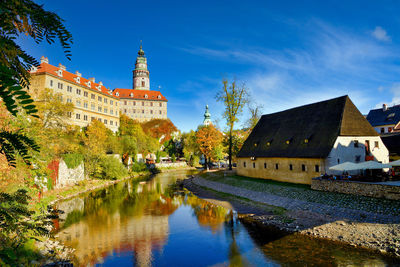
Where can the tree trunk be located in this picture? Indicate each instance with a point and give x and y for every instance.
(230, 149)
(206, 162)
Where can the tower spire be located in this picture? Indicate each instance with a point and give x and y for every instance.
(207, 117)
(141, 52)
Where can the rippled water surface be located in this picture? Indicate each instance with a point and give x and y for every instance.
(153, 224)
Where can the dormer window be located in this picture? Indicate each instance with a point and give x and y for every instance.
(131, 94)
(60, 73)
(77, 79)
(390, 116)
(88, 84)
(269, 142)
(146, 96)
(117, 94)
(306, 141)
(288, 141)
(159, 97)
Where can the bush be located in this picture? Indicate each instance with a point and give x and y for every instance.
(138, 167)
(72, 160)
(194, 161)
(173, 158)
(110, 168)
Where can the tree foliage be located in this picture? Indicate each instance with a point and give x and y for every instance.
(208, 138)
(255, 115)
(162, 129)
(234, 98)
(28, 18)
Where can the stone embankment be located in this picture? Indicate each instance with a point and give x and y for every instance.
(378, 231)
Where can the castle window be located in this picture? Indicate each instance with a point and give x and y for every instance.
(254, 165)
(142, 111)
(111, 111)
(125, 111)
(291, 167)
(117, 94)
(125, 102)
(105, 100)
(244, 164)
(69, 114)
(142, 103)
(93, 107)
(85, 117)
(99, 98)
(51, 83)
(265, 165)
(143, 83)
(111, 122)
(85, 105)
(160, 104)
(134, 103)
(105, 121)
(151, 104)
(78, 116)
(151, 112)
(92, 96)
(78, 91)
(85, 94)
(131, 94)
(105, 110)
(276, 166)
(303, 167)
(111, 102)
(99, 119)
(145, 96)
(159, 96)
(99, 109)
(160, 112)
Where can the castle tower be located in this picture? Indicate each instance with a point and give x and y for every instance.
(141, 80)
(207, 117)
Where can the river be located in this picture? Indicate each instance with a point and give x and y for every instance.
(152, 223)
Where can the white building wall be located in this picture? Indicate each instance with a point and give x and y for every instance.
(345, 149)
(385, 127)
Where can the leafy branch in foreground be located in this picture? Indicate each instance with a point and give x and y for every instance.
(12, 143)
(28, 18)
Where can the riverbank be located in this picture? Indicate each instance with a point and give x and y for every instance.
(361, 221)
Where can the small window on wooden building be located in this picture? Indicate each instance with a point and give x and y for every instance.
(276, 166)
(254, 165)
(265, 165)
(291, 167)
(317, 168)
(244, 164)
(303, 167)
(355, 143)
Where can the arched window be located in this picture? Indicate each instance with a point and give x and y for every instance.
(143, 84)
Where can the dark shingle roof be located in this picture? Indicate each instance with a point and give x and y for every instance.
(378, 117)
(306, 132)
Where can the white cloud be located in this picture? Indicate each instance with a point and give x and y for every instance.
(381, 34)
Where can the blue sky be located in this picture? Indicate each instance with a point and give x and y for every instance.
(286, 52)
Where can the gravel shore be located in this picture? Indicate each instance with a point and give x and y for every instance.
(357, 227)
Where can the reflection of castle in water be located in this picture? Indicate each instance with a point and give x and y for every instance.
(94, 242)
(140, 223)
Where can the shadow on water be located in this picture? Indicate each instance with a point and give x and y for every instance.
(155, 223)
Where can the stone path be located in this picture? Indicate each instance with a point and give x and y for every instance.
(332, 212)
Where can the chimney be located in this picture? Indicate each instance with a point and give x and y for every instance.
(384, 107)
(62, 67)
(92, 80)
(44, 59)
(100, 83)
(77, 73)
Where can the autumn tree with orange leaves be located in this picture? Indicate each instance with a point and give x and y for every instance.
(208, 138)
(159, 128)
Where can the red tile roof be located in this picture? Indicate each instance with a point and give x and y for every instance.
(71, 77)
(139, 94)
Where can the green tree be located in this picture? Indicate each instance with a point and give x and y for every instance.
(255, 115)
(234, 98)
(190, 146)
(28, 18)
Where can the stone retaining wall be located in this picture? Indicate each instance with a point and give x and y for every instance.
(67, 176)
(357, 188)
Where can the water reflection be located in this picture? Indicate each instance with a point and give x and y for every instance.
(154, 223)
